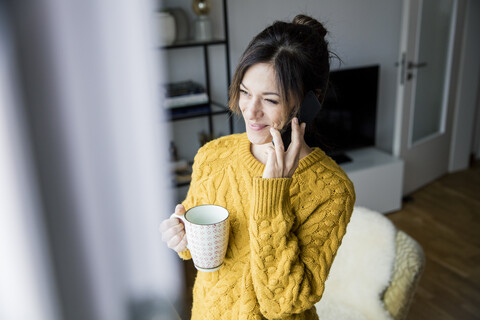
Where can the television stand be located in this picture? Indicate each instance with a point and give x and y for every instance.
(340, 157)
(377, 177)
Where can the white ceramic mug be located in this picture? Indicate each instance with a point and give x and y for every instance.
(207, 228)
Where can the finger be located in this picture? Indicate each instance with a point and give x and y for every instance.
(175, 240)
(276, 138)
(301, 135)
(279, 147)
(180, 209)
(292, 156)
(171, 232)
(297, 136)
(297, 133)
(168, 223)
(182, 245)
(270, 164)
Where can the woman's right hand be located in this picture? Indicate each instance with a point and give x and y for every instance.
(173, 231)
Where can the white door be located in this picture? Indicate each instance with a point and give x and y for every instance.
(424, 112)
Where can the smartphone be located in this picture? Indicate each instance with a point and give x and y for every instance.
(308, 111)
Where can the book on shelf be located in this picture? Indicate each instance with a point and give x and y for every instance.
(184, 101)
(186, 112)
(183, 94)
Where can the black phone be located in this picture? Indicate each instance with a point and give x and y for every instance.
(308, 111)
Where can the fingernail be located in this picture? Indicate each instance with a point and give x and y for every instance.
(295, 120)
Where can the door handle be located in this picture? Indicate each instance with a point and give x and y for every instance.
(412, 65)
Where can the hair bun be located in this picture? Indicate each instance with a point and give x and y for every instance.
(305, 20)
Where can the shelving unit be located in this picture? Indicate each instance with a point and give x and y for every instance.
(211, 108)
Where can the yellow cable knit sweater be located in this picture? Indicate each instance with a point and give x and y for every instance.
(284, 232)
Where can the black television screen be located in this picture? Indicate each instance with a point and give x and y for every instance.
(348, 115)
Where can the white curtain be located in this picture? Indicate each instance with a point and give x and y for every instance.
(94, 148)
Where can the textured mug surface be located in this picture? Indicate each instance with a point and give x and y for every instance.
(207, 228)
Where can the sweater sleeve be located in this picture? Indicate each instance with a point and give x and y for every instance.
(289, 268)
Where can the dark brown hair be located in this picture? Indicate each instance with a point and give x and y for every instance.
(299, 54)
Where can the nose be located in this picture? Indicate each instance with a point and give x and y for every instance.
(252, 109)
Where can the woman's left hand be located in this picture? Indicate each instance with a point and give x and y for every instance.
(281, 163)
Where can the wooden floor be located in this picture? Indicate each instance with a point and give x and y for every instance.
(444, 217)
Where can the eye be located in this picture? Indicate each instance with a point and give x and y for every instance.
(272, 101)
(243, 92)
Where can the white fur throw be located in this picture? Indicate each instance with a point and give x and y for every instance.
(361, 270)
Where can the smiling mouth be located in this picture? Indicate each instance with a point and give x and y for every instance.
(257, 127)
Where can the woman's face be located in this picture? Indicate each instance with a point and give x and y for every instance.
(260, 103)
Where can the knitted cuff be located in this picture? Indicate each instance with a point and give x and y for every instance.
(271, 196)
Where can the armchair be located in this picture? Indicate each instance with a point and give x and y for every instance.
(375, 272)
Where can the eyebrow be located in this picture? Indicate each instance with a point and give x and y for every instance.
(264, 93)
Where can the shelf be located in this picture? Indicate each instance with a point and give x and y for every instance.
(181, 184)
(196, 111)
(194, 43)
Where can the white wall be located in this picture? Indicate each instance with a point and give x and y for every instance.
(468, 92)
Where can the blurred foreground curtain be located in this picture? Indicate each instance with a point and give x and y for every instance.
(83, 164)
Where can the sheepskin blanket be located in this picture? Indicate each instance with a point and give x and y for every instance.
(361, 270)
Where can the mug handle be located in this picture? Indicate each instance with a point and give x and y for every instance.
(181, 217)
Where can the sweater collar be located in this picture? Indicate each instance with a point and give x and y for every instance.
(257, 168)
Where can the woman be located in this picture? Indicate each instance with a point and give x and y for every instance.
(289, 208)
